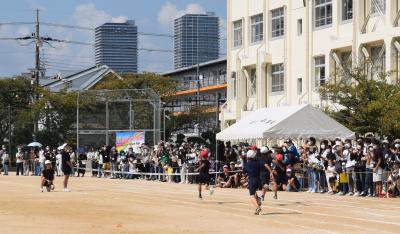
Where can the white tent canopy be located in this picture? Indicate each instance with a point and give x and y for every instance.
(286, 122)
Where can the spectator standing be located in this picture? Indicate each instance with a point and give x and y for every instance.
(59, 163)
(26, 163)
(66, 166)
(5, 160)
(82, 164)
(19, 156)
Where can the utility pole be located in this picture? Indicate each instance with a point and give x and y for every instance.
(9, 130)
(37, 53)
(37, 67)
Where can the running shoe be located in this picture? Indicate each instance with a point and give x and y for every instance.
(66, 190)
(262, 197)
(200, 197)
(275, 196)
(257, 212)
(211, 190)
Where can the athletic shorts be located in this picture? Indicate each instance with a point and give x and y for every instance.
(66, 170)
(47, 183)
(254, 185)
(265, 178)
(203, 178)
(280, 179)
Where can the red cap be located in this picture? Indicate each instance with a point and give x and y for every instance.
(279, 157)
(204, 154)
(253, 147)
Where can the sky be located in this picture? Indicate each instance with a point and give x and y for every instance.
(151, 16)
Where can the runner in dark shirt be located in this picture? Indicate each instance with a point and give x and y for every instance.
(279, 174)
(47, 177)
(266, 170)
(253, 169)
(204, 176)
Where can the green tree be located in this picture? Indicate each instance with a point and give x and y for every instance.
(364, 104)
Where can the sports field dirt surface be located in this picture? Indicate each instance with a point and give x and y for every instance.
(115, 206)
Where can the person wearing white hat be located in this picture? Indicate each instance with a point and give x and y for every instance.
(253, 168)
(266, 170)
(47, 178)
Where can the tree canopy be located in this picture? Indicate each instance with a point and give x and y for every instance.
(364, 104)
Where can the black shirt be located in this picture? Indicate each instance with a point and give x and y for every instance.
(265, 159)
(106, 157)
(206, 167)
(65, 158)
(48, 174)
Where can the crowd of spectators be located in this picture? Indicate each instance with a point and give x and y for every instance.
(365, 167)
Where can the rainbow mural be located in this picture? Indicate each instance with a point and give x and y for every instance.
(129, 139)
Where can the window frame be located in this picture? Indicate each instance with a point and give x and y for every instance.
(237, 42)
(318, 67)
(279, 19)
(323, 7)
(256, 26)
(373, 9)
(299, 27)
(279, 77)
(345, 10)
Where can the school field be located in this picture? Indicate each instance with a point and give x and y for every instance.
(116, 206)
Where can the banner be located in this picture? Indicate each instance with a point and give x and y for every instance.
(125, 140)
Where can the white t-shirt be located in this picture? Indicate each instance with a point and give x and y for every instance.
(5, 158)
(19, 157)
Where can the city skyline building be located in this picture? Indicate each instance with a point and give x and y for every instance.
(116, 45)
(196, 39)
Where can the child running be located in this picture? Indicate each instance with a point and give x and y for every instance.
(253, 169)
(47, 177)
(204, 176)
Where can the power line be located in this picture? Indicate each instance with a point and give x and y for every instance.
(93, 29)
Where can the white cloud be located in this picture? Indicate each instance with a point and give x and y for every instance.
(87, 15)
(169, 12)
(23, 31)
(119, 19)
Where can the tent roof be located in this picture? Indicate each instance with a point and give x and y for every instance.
(286, 122)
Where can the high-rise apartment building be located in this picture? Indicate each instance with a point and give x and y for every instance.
(196, 39)
(116, 45)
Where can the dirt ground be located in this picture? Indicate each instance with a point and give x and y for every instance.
(116, 206)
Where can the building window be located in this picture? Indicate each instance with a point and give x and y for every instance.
(278, 22)
(377, 61)
(253, 81)
(323, 13)
(347, 10)
(256, 28)
(319, 69)
(237, 34)
(277, 81)
(378, 6)
(299, 27)
(299, 86)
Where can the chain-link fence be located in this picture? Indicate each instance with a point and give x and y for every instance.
(101, 114)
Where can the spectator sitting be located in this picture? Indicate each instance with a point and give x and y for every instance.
(225, 180)
(394, 181)
(293, 184)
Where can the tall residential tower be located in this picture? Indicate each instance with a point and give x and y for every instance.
(196, 39)
(117, 46)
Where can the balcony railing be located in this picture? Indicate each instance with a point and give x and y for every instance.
(205, 82)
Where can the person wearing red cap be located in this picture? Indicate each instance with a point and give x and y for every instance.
(204, 177)
(278, 173)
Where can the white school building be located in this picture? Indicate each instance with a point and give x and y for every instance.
(280, 51)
